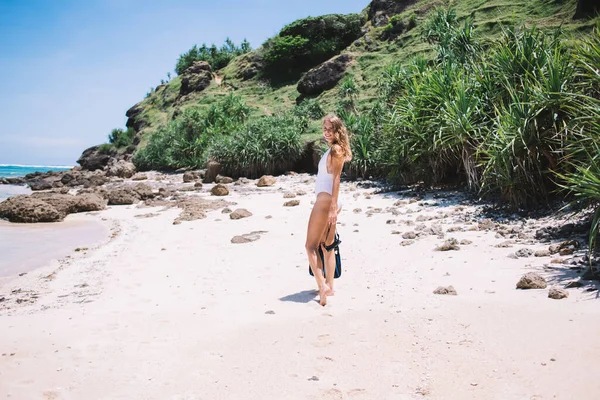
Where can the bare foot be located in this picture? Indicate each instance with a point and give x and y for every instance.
(323, 293)
(330, 292)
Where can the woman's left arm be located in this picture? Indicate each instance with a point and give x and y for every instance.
(337, 164)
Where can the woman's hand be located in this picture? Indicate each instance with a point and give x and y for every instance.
(332, 216)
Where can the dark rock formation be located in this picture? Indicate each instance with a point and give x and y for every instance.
(196, 78)
(380, 11)
(324, 76)
(134, 119)
(93, 159)
(29, 210)
(586, 8)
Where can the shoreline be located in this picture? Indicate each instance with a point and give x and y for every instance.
(28, 247)
(173, 297)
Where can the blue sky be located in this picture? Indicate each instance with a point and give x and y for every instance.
(71, 69)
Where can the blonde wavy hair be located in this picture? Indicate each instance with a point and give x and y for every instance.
(342, 137)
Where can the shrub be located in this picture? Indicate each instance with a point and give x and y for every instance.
(121, 138)
(183, 141)
(269, 145)
(308, 42)
(217, 57)
(309, 108)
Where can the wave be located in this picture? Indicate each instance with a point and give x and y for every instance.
(37, 166)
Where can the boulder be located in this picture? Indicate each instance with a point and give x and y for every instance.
(557, 293)
(240, 213)
(531, 280)
(29, 210)
(134, 119)
(324, 76)
(213, 168)
(196, 78)
(219, 190)
(68, 204)
(266, 180)
(42, 184)
(381, 10)
(93, 159)
(291, 203)
(122, 196)
(223, 179)
(120, 168)
(143, 191)
(450, 244)
(190, 176)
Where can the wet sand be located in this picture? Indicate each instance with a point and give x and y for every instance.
(25, 247)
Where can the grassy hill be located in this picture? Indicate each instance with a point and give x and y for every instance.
(372, 54)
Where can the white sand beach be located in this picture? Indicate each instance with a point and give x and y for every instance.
(164, 311)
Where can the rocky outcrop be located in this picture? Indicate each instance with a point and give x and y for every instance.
(48, 207)
(27, 209)
(134, 119)
(196, 78)
(586, 8)
(380, 11)
(324, 76)
(120, 168)
(95, 158)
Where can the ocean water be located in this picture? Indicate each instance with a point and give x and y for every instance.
(12, 171)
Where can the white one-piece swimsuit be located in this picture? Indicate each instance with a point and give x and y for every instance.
(324, 182)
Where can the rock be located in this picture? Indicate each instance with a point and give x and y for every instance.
(289, 195)
(291, 203)
(190, 176)
(450, 244)
(524, 253)
(219, 190)
(435, 229)
(68, 204)
(324, 76)
(120, 168)
(223, 179)
(381, 10)
(542, 253)
(567, 251)
(240, 213)
(486, 225)
(195, 207)
(266, 180)
(554, 249)
(42, 184)
(505, 244)
(247, 237)
(455, 229)
(226, 210)
(143, 191)
(198, 185)
(93, 180)
(213, 169)
(28, 209)
(140, 177)
(133, 118)
(465, 242)
(407, 242)
(409, 235)
(122, 196)
(532, 280)
(196, 78)
(93, 158)
(449, 290)
(557, 293)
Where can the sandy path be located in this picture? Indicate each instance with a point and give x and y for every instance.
(169, 311)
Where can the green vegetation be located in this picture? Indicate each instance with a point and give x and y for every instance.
(501, 97)
(308, 42)
(121, 138)
(269, 145)
(217, 57)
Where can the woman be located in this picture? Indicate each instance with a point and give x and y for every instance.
(327, 205)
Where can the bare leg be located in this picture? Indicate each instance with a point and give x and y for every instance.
(316, 227)
(329, 257)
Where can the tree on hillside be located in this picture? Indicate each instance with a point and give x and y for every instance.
(217, 57)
